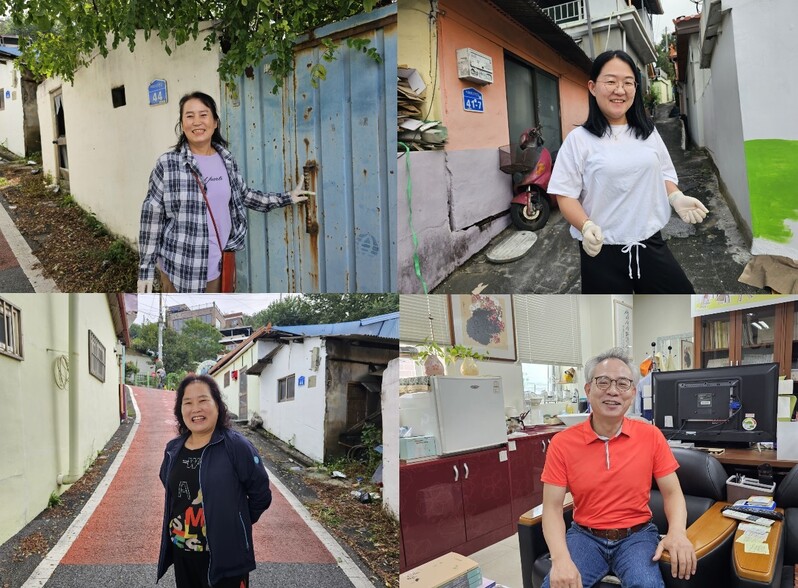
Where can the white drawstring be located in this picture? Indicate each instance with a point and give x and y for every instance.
(628, 249)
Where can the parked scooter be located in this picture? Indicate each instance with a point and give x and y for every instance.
(530, 165)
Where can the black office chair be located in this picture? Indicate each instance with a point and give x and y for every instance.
(778, 568)
(703, 482)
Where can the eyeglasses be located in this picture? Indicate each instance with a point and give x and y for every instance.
(603, 383)
(628, 85)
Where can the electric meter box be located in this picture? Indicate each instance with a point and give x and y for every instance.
(474, 66)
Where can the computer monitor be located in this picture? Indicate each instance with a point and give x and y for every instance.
(730, 406)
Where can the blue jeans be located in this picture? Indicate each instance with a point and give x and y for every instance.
(629, 558)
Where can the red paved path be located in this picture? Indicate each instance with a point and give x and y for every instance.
(7, 258)
(126, 527)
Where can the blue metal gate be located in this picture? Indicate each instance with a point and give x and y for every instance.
(341, 137)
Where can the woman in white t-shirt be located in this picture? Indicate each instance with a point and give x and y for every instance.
(614, 180)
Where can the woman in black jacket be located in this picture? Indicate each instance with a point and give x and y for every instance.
(216, 488)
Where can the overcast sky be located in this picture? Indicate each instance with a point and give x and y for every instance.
(228, 303)
(673, 9)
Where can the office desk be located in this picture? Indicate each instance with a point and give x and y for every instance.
(752, 457)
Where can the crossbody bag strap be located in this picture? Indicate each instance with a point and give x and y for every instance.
(208, 204)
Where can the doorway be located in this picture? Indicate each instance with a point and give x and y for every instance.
(60, 141)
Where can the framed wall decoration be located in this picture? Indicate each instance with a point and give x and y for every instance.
(687, 354)
(622, 323)
(485, 323)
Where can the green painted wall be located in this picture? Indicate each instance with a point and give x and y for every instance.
(772, 166)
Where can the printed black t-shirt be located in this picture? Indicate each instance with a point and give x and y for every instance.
(187, 518)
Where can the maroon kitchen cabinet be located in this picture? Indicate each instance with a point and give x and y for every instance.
(526, 466)
(459, 503)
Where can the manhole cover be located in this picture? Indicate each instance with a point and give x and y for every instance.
(513, 247)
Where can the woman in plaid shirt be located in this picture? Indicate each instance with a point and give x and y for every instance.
(177, 235)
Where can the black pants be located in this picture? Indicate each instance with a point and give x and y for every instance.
(608, 272)
(191, 571)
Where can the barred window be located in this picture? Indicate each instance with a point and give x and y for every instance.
(285, 388)
(96, 357)
(226, 379)
(10, 330)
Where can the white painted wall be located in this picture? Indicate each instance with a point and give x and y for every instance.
(698, 94)
(299, 422)
(659, 315)
(231, 392)
(112, 150)
(723, 123)
(35, 418)
(12, 135)
(390, 440)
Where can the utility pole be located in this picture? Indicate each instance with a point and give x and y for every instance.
(160, 327)
(589, 30)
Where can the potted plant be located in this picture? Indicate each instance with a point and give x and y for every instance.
(468, 367)
(433, 357)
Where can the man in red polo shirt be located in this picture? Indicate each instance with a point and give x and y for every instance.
(607, 463)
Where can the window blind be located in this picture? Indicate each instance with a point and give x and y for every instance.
(414, 322)
(547, 329)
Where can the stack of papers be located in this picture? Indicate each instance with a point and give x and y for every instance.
(754, 538)
(413, 130)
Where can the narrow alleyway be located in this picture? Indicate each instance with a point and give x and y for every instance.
(118, 546)
(713, 254)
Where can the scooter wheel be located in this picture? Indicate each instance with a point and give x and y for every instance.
(531, 220)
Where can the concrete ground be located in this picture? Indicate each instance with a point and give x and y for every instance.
(712, 254)
(118, 546)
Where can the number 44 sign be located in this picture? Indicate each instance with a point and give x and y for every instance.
(472, 100)
(157, 91)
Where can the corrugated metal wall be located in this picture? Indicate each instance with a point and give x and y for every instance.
(341, 136)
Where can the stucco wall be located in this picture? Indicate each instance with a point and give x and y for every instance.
(35, 417)
(417, 48)
(231, 394)
(390, 441)
(112, 150)
(12, 135)
(722, 103)
(440, 249)
(769, 124)
(299, 422)
(469, 23)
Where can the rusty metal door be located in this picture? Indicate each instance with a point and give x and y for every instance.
(340, 137)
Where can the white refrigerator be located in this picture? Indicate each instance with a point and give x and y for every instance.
(463, 413)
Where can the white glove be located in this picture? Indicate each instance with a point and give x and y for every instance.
(144, 287)
(689, 209)
(299, 194)
(592, 239)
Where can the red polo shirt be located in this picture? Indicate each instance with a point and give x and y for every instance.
(610, 480)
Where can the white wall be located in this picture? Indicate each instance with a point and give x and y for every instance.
(232, 392)
(34, 443)
(659, 315)
(112, 151)
(12, 135)
(390, 441)
(299, 422)
(723, 123)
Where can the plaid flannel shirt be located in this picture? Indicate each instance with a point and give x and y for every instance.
(174, 225)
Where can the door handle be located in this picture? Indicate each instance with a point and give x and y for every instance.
(456, 473)
(543, 445)
(309, 172)
(465, 465)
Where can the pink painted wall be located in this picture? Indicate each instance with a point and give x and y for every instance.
(476, 24)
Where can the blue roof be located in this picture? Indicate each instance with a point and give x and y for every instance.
(384, 326)
(13, 51)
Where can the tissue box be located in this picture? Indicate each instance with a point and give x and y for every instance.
(787, 440)
(415, 447)
(448, 571)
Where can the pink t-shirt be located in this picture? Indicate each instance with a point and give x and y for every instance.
(214, 173)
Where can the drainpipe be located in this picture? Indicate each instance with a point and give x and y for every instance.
(74, 388)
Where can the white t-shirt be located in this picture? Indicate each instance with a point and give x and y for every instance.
(619, 180)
